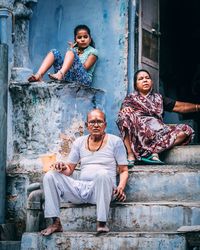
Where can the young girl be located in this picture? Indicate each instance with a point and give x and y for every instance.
(79, 61)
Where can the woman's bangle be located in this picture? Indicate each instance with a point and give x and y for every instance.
(197, 107)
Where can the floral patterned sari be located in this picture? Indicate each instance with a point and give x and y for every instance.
(144, 125)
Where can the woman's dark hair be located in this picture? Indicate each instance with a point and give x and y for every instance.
(83, 27)
(136, 75)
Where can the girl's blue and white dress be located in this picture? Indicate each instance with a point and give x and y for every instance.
(77, 73)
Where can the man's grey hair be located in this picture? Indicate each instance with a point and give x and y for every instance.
(97, 109)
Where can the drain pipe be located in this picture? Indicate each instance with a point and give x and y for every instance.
(3, 108)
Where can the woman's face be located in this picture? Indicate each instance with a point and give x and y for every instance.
(83, 39)
(144, 83)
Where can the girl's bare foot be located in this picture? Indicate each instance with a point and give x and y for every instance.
(55, 227)
(57, 76)
(35, 78)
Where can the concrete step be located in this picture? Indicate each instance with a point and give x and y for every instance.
(134, 217)
(167, 182)
(110, 241)
(189, 155)
(10, 245)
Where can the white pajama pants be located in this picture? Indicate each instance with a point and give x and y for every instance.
(58, 187)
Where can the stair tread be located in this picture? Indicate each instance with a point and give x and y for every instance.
(165, 168)
(112, 234)
(161, 203)
(112, 240)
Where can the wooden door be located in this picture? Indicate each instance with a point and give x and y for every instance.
(148, 51)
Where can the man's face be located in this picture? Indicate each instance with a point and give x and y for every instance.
(96, 124)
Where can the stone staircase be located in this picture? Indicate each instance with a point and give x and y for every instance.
(160, 199)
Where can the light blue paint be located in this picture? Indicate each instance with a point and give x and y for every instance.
(52, 26)
(3, 25)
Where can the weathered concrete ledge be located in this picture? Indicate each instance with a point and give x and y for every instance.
(111, 241)
(10, 245)
(182, 155)
(133, 216)
(167, 182)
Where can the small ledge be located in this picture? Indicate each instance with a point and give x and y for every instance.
(54, 85)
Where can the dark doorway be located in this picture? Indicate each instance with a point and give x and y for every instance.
(180, 52)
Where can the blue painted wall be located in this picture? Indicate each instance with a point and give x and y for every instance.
(52, 26)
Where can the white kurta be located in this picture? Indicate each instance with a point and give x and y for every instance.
(97, 179)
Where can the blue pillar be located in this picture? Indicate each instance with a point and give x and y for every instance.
(3, 125)
(4, 13)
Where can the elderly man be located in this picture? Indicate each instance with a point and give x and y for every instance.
(100, 154)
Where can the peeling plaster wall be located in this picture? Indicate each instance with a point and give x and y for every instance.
(52, 26)
(43, 115)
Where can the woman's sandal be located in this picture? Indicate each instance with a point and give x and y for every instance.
(52, 77)
(152, 159)
(130, 159)
(35, 78)
(131, 163)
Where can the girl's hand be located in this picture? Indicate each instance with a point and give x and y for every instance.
(127, 110)
(119, 194)
(71, 44)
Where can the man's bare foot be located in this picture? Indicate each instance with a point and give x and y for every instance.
(55, 227)
(35, 78)
(102, 228)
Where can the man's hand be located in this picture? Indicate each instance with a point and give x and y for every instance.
(62, 168)
(123, 177)
(119, 194)
(59, 166)
(186, 107)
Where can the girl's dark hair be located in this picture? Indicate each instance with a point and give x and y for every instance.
(83, 27)
(136, 75)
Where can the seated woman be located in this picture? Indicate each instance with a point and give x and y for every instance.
(141, 124)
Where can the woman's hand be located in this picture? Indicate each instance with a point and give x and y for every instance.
(127, 110)
(119, 194)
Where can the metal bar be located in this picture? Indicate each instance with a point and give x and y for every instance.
(131, 41)
(3, 125)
